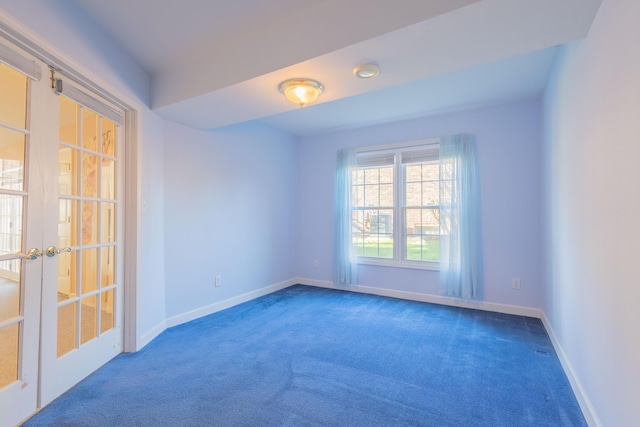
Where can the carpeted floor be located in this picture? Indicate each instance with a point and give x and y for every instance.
(307, 356)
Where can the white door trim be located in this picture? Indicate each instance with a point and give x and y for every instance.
(131, 341)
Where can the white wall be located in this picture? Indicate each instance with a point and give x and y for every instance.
(592, 200)
(60, 26)
(229, 211)
(151, 280)
(509, 152)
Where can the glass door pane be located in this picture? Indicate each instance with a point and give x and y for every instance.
(86, 225)
(13, 137)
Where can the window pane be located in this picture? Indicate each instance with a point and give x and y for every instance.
(67, 277)
(430, 193)
(107, 274)
(378, 233)
(88, 319)
(372, 195)
(108, 229)
(386, 195)
(108, 138)
(67, 223)
(358, 230)
(89, 130)
(13, 98)
(89, 270)
(422, 221)
(357, 195)
(382, 222)
(107, 171)
(67, 171)
(106, 311)
(413, 172)
(430, 171)
(10, 224)
(422, 230)
(89, 175)
(372, 176)
(413, 221)
(386, 175)
(10, 339)
(107, 179)
(430, 248)
(422, 248)
(9, 290)
(89, 223)
(430, 221)
(413, 196)
(67, 322)
(68, 121)
(359, 176)
(12, 145)
(372, 228)
(414, 248)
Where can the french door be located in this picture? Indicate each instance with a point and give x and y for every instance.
(60, 235)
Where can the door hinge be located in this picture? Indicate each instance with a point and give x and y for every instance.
(53, 77)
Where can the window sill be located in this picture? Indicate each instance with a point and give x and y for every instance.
(414, 265)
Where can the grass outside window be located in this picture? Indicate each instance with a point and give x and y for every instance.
(419, 248)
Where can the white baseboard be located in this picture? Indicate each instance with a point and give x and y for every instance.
(435, 299)
(583, 400)
(221, 305)
(150, 335)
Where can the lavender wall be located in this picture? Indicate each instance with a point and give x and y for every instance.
(509, 151)
(592, 207)
(229, 211)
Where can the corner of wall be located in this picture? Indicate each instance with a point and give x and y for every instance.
(583, 399)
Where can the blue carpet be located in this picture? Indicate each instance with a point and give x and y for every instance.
(308, 356)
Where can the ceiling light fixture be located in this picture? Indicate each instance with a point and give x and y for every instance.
(301, 91)
(366, 71)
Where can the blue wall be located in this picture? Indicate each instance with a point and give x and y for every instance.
(229, 211)
(509, 149)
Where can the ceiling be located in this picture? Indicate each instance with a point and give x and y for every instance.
(216, 63)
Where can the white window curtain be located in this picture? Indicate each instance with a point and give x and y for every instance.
(345, 264)
(460, 232)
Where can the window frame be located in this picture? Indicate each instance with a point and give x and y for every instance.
(399, 205)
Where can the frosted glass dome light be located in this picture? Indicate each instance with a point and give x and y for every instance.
(301, 91)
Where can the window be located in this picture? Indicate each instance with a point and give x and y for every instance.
(412, 205)
(395, 206)
(372, 206)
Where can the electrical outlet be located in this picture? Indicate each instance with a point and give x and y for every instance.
(515, 283)
(315, 263)
(218, 281)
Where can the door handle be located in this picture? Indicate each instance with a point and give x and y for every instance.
(53, 251)
(33, 253)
